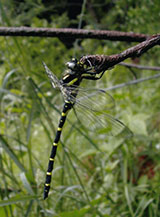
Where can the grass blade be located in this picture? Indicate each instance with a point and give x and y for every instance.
(11, 154)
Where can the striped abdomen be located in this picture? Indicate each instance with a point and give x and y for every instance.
(66, 108)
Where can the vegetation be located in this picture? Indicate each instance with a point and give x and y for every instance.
(93, 176)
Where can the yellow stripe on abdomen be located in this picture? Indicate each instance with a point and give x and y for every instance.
(55, 144)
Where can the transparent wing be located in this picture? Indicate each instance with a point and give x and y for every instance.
(100, 122)
(93, 99)
(92, 107)
(53, 79)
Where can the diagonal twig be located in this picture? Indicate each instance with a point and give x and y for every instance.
(132, 82)
(103, 62)
(130, 65)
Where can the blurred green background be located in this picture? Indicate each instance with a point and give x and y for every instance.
(93, 176)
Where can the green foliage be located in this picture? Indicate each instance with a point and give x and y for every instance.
(93, 175)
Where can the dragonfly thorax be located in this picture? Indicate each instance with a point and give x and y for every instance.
(73, 74)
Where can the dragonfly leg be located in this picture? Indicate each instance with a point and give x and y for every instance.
(93, 77)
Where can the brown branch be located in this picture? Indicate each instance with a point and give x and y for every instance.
(140, 80)
(102, 62)
(131, 65)
(73, 33)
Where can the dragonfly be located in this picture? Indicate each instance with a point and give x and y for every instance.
(88, 102)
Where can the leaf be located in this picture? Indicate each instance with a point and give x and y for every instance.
(84, 210)
(138, 125)
(26, 183)
(144, 202)
(2, 91)
(17, 199)
(127, 195)
(75, 213)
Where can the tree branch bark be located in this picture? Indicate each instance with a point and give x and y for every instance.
(73, 33)
(103, 62)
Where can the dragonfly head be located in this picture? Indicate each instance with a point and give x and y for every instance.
(74, 66)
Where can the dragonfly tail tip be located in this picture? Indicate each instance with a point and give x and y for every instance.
(45, 195)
